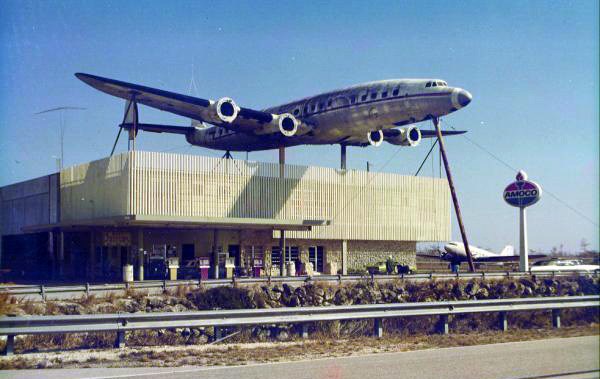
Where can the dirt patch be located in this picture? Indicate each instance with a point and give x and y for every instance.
(248, 353)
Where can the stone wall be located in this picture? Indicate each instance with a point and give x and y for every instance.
(364, 253)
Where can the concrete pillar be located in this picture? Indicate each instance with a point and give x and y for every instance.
(51, 256)
(140, 252)
(344, 257)
(61, 253)
(282, 252)
(92, 256)
(215, 254)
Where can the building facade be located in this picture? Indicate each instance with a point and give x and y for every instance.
(138, 207)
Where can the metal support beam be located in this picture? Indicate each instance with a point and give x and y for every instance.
(556, 318)
(443, 325)
(215, 254)
(378, 327)
(9, 349)
(503, 320)
(343, 156)
(436, 123)
(120, 341)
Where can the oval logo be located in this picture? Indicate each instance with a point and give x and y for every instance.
(522, 193)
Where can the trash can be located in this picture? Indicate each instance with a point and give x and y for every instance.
(204, 267)
(128, 273)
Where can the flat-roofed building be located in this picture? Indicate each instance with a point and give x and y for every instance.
(138, 207)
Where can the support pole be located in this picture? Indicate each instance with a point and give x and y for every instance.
(215, 254)
(282, 232)
(9, 349)
(436, 123)
(378, 327)
(304, 330)
(120, 341)
(503, 321)
(524, 248)
(556, 318)
(443, 327)
(343, 156)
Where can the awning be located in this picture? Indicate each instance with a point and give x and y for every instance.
(160, 221)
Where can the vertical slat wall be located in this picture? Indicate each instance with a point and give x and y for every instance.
(95, 189)
(361, 205)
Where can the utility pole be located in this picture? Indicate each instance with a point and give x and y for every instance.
(436, 123)
(62, 127)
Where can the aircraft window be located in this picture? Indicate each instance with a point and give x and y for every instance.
(396, 91)
(445, 84)
(314, 107)
(329, 102)
(433, 84)
(321, 106)
(384, 94)
(296, 112)
(352, 99)
(428, 84)
(363, 97)
(374, 95)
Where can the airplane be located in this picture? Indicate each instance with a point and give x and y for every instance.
(455, 252)
(361, 115)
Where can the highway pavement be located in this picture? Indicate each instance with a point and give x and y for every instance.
(565, 358)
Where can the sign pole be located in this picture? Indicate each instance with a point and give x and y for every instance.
(436, 123)
(524, 257)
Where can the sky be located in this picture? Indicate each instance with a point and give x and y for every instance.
(532, 68)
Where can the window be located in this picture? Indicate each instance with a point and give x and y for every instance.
(428, 84)
(296, 112)
(433, 84)
(321, 106)
(314, 107)
(384, 94)
(396, 90)
(373, 95)
(275, 256)
(306, 109)
(329, 103)
(352, 99)
(363, 97)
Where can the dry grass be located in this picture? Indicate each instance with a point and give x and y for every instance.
(239, 354)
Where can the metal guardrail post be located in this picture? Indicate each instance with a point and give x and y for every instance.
(304, 330)
(556, 318)
(120, 341)
(443, 325)
(43, 292)
(87, 289)
(503, 321)
(9, 349)
(378, 327)
(164, 286)
(218, 333)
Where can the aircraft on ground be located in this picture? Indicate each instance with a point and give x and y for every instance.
(361, 115)
(455, 252)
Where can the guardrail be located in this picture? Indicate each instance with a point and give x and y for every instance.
(45, 292)
(124, 322)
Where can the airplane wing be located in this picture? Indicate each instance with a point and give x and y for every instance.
(247, 120)
(433, 134)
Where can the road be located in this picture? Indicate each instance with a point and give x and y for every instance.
(563, 358)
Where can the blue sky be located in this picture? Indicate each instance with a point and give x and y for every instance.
(532, 68)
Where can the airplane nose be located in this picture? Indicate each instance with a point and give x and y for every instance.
(464, 98)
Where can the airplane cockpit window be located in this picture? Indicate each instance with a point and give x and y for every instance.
(428, 84)
(373, 95)
(321, 106)
(363, 97)
(306, 109)
(352, 99)
(314, 107)
(329, 103)
(433, 84)
(396, 91)
(296, 112)
(384, 94)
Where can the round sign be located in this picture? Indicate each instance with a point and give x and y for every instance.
(523, 192)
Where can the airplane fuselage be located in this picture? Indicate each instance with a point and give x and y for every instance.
(338, 117)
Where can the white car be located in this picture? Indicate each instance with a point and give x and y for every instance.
(563, 265)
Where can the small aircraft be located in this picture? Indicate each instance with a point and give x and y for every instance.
(562, 264)
(455, 252)
(361, 115)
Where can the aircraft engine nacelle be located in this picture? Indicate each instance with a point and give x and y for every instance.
(225, 110)
(288, 124)
(375, 138)
(407, 136)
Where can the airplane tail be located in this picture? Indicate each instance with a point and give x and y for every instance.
(508, 251)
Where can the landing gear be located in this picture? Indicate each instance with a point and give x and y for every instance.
(436, 123)
(343, 156)
(227, 155)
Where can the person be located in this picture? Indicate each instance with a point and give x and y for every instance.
(454, 267)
